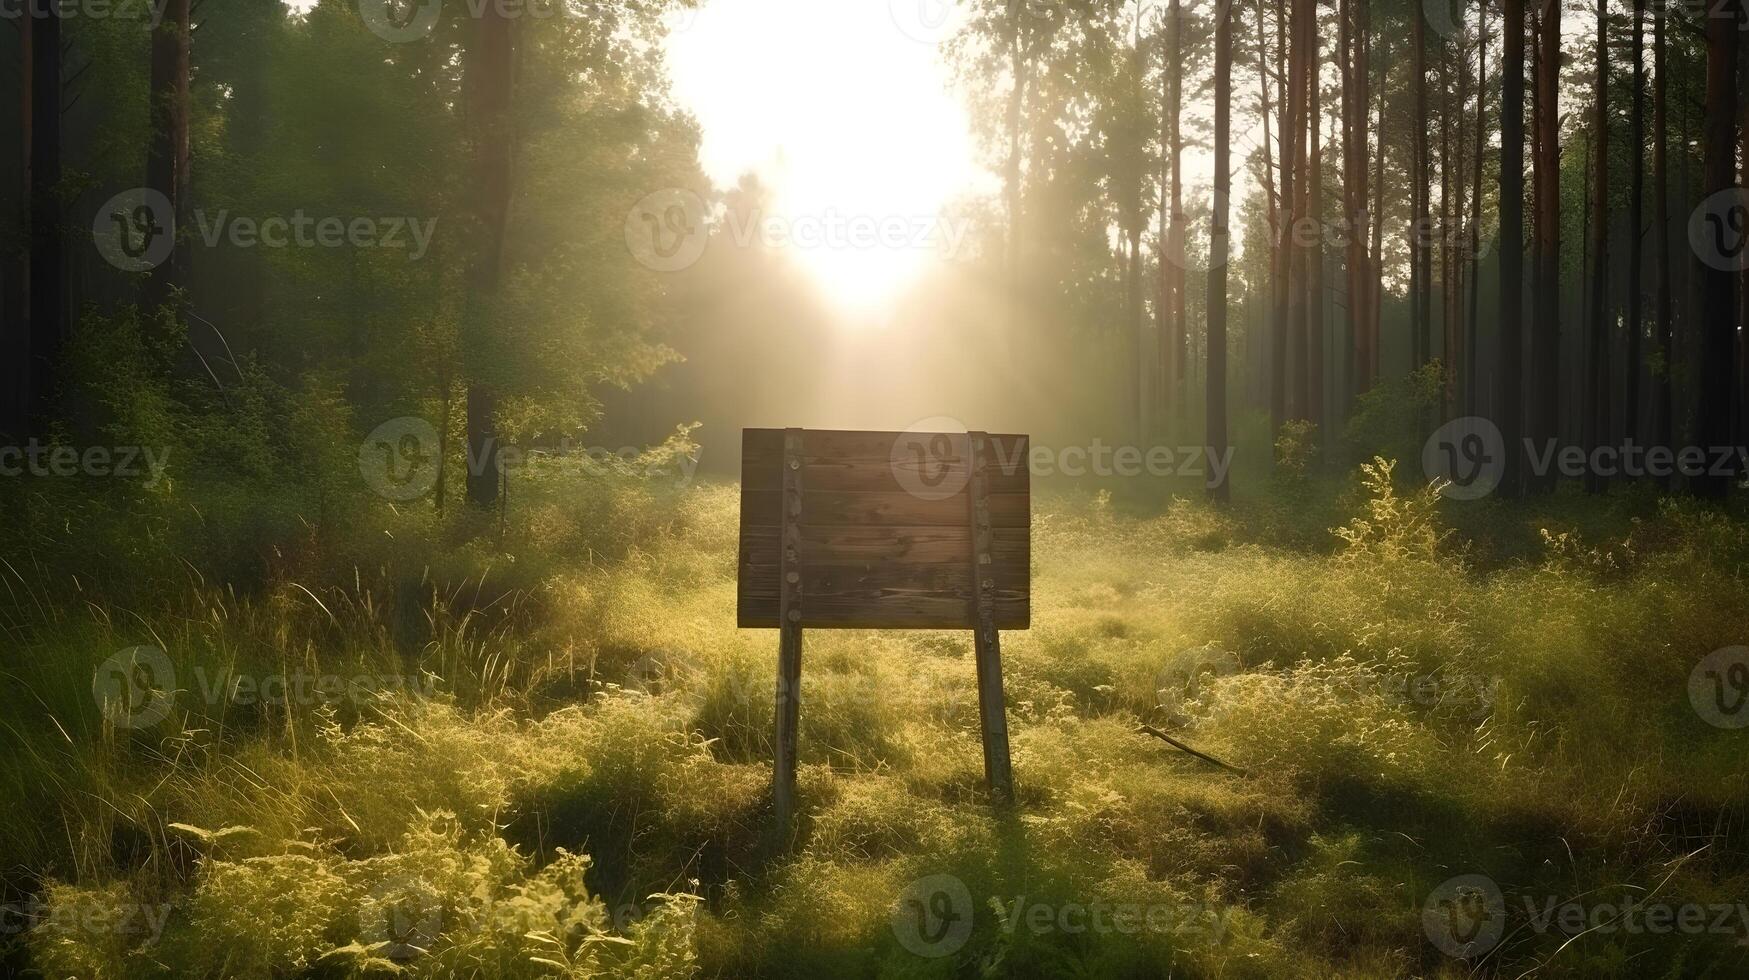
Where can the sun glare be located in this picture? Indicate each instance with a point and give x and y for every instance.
(844, 110)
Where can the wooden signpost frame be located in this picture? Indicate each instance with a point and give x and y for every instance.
(885, 530)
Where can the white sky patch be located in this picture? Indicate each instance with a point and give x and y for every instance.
(845, 116)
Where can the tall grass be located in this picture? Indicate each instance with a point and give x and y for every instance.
(561, 765)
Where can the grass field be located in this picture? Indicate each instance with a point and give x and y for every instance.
(1461, 736)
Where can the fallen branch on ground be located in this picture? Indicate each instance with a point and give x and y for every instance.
(1169, 740)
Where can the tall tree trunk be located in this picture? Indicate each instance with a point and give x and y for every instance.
(1597, 376)
(1743, 280)
(1355, 106)
(1315, 252)
(1017, 64)
(1636, 229)
(1509, 406)
(1179, 380)
(1662, 307)
(489, 88)
(1420, 254)
(1475, 312)
(1163, 275)
(167, 146)
(1216, 389)
(1545, 336)
(1456, 239)
(1299, 253)
(1375, 261)
(1448, 345)
(47, 272)
(1295, 94)
(1718, 315)
(15, 318)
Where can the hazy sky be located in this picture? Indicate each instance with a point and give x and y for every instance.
(844, 108)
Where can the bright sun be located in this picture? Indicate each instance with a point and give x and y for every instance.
(844, 109)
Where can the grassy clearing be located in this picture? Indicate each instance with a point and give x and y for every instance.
(545, 751)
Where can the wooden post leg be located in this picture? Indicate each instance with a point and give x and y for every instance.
(789, 702)
(789, 645)
(993, 715)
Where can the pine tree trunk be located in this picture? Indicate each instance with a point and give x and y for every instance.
(167, 146)
(1418, 284)
(1355, 106)
(488, 91)
(1597, 361)
(47, 278)
(1216, 389)
(1470, 328)
(1717, 322)
(1375, 262)
(15, 318)
(1178, 381)
(1288, 48)
(1545, 338)
(1011, 182)
(1509, 404)
(1662, 307)
(1315, 253)
(1636, 222)
(1448, 348)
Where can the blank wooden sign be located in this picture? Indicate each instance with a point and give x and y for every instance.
(885, 529)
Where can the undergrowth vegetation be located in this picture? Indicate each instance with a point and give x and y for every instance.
(457, 747)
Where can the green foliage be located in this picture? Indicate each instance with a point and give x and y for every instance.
(1391, 420)
(1296, 448)
(1394, 528)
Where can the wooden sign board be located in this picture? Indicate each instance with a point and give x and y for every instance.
(885, 530)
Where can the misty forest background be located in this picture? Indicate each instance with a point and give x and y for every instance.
(1496, 202)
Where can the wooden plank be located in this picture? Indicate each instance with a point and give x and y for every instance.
(881, 509)
(893, 462)
(886, 610)
(936, 596)
(1010, 546)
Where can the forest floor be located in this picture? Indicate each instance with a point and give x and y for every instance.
(1463, 737)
